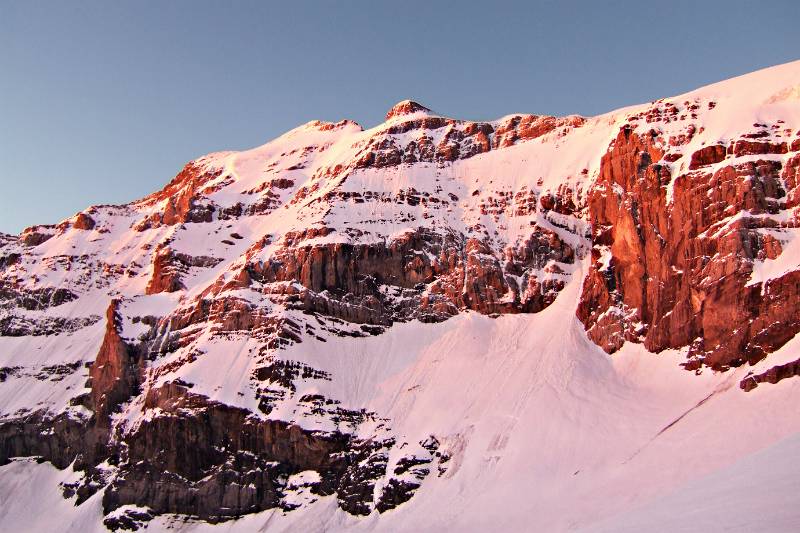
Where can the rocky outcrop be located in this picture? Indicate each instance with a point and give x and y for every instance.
(36, 235)
(83, 221)
(675, 272)
(7, 260)
(116, 373)
(214, 461)
(57, 439)
(708, 155)
(15, 300)
(188, 454)
(526, 127)
(35, 299)
(430, 276)
(747, 147)
(166, 277)
(169, 267)
(442, 140)
(182, 198)
(791, 178)
(773, 375)
(406, 107)
(13, 325)
(193, 456)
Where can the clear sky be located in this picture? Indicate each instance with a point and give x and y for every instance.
(104, 102)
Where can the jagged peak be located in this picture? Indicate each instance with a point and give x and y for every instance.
(406, 107)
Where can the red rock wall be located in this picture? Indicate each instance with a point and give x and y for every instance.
(675, 274)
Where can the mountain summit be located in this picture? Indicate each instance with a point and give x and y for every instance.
(406, 107)
(536, 322)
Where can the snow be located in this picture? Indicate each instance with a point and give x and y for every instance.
(730, 499)
(32, 387)
(31, 500)
(546, 431)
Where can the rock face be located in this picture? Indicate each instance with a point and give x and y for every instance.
(406, 107)
(674, 272)
(430, 276)
(214, 461)
(169, 267)
(225, 378)
(773, 375)
(116, 373)
(180, 199)
(83, 221)
(195, 456)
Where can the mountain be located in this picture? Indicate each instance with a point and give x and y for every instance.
(538, 322)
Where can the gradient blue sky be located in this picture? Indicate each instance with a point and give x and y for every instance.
(104, 102)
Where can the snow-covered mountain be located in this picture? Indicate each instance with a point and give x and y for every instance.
(535, 323)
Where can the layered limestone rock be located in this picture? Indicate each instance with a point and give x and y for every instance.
(191, 455)
(182, 198)
(214, 461)
(421, 274)
(415, 140)
(205, 393)
(675, 272)
(773, 375)
(169, 267)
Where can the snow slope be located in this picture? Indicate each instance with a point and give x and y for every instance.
(543, 430)
(546, 433)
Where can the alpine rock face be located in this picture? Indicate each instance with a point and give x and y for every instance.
(432, 324)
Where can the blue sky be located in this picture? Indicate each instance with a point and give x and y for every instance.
(104, 102)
